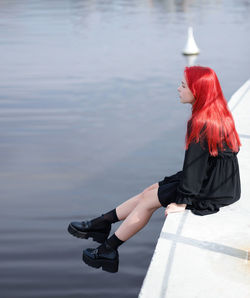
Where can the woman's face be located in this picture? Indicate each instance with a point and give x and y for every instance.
(185, 93)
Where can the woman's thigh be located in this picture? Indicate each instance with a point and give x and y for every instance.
(149, 199)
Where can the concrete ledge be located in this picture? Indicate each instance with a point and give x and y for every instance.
(208, 256)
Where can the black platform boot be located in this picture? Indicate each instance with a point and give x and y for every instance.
(103, 256)
(97, 228)
(86, 229)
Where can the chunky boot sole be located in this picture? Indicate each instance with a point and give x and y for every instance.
(97, 236)
(107, 265)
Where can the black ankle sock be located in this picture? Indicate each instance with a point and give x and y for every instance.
(114, 241)
(110, 217)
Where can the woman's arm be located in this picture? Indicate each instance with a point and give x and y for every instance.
(194, 170)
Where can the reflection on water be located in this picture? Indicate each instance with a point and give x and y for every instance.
(89, 117)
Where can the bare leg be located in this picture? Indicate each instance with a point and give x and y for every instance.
(124, 209)
(140, 215)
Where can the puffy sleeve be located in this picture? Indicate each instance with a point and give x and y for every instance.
(194, 170)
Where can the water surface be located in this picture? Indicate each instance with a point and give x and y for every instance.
(90, 116)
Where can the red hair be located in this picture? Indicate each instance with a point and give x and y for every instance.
(211, 118)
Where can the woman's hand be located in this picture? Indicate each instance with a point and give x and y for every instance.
(173, 207)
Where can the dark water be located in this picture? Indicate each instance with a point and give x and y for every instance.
(90, 117)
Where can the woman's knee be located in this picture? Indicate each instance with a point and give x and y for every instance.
(151, 187)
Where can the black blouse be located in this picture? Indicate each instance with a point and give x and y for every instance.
(207, 182)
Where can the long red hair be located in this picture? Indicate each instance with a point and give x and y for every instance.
(211, 118)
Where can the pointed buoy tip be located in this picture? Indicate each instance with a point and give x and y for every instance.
(191, 47)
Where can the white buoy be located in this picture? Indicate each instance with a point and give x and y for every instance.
(191, 46)
(191, 59)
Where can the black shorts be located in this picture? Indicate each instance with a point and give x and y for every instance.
(167, 190)
(167, 193)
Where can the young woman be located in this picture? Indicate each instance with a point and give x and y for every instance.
(209, 179)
